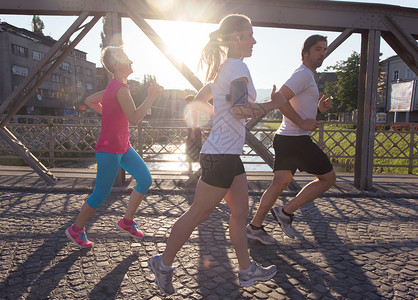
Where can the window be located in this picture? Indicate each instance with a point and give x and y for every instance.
(78, 69)
(89, 86)
(56, 78)
(19, 50)
(409, 74)
(67, 81)
(79, 84)
(396, 75)
(18, 70)
(37, 55)
(65, 66)
(89, 72)
(50, 94)
(79, 55)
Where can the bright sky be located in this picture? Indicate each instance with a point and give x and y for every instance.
(275, 56)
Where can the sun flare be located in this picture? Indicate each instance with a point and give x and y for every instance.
(184, 42)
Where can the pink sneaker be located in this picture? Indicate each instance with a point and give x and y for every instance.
(79, 238)
(131, 229)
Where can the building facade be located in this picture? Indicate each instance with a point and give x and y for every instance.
(395, 71)
(64, 90)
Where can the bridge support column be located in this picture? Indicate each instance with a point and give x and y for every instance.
(369, 71)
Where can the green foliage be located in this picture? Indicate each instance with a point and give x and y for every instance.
(139, 90)
(112, 40)
(345, 90)
(391, 148)
(37, 24)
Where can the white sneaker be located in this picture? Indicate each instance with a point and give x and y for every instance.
(260, 235)
(284, 221)
(255, 273)
(163, 278)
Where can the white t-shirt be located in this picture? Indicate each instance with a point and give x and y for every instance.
(228, 132)
(305, 101)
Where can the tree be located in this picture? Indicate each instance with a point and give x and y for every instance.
(103, 36)
(345, 89)
(115, 40)
(37, 24)
(327, 85)
(139, 90)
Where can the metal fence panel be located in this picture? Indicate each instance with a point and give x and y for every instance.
(55, 140)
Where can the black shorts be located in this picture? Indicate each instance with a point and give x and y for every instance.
(299, 153)
(220, 169)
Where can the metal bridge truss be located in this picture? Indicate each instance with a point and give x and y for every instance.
(398, 26)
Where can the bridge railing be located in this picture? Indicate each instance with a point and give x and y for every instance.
(59, 141)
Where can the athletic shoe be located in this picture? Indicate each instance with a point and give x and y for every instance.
(78, 237)
(260, 235)
(163, 278)
(131, 229)
(284, 221)
(255, 272)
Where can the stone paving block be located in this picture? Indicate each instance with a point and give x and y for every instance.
(339, 252)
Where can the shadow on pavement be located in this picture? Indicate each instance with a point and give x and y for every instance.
(109, 286)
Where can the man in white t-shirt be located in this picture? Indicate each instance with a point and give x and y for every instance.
(294, 148)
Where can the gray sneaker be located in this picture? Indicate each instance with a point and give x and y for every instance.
(260, 235)
(284, 221)
(163, 278)
(255, 272)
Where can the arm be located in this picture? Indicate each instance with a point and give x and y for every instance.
(257, 109)
(94, 101)
(133, 114)
(288, 111)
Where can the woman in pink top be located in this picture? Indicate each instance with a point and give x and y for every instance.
(113, 149)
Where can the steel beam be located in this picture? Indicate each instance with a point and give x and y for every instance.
(312, 15)
(27, 156)
(339, 40)
(369, 71)
(358, 171)
(402, 42)
(113, 29)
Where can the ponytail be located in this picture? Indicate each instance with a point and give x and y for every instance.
(214, 54)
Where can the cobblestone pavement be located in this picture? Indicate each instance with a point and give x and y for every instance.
(346, 248)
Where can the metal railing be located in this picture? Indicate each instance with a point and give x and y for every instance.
(59, 140)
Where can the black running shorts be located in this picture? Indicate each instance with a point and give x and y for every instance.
(299, 153)
(220, 169)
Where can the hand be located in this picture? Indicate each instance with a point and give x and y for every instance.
(324, 104)
(154, 89)
(310, 124)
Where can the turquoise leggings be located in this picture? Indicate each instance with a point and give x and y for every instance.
(107, 169)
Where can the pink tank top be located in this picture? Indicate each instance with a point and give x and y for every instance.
(114, 133)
